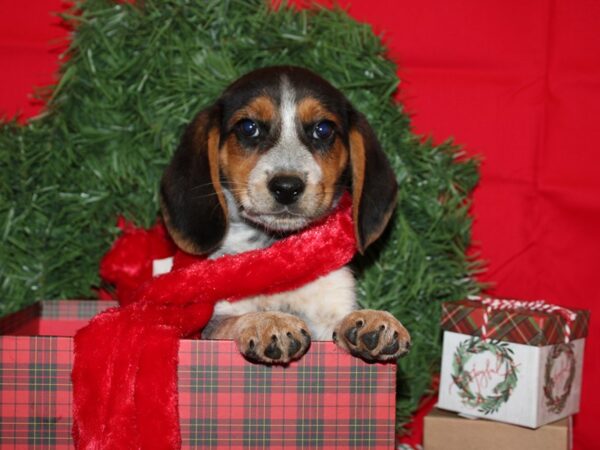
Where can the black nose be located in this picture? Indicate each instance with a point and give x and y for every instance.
(286, 189)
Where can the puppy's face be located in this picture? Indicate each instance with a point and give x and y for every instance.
(283, 144)
(284, 148)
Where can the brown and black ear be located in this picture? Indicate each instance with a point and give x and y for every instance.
(192, 202)
(374, 185)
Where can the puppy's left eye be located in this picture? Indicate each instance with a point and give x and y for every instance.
(249, 128)
(323, 130)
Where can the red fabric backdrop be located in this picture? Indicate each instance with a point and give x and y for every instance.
(515, 82)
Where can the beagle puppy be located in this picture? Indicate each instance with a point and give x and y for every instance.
(274, 153)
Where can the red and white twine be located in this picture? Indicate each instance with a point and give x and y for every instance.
(494, 304)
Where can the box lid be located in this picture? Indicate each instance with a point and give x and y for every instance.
(519, 325)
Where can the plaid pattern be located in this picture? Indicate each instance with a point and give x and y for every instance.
(74, 309)
(535, 328)
(326, 400)
(35, 392)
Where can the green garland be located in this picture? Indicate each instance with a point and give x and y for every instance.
(463, 378)
(135, 77)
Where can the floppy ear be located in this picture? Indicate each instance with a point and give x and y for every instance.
(192, 202)
(374, 185)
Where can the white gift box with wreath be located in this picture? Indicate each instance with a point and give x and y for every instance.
(486, 374)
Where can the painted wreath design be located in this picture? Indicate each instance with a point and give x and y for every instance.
(557, 403)
(463, 378)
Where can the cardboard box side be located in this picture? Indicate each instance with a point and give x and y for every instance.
(449, 431)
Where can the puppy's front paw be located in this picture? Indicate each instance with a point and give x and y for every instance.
(372, 335)
(272, 337)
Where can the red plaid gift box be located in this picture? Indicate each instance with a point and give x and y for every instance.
(512, 361)
(326, 400)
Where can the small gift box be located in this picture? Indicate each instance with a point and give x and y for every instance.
(512, 361)
(327, 399)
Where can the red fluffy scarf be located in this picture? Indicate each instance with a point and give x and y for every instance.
(125, 369)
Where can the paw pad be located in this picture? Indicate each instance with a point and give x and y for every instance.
(272, 337)
(372, 335)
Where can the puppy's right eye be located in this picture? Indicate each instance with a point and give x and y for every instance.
(323, 130)
(249, 128)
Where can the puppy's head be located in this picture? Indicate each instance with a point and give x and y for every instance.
(279, 146)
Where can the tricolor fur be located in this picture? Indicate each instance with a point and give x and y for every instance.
(274, 153)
